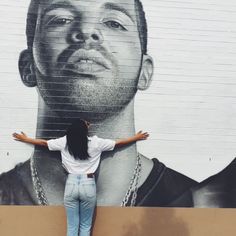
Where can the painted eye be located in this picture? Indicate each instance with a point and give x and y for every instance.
(114, 25)
(59, 21)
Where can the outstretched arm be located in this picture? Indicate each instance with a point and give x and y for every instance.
(139, 136)
(24, 138)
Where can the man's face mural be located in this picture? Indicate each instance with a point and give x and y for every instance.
(88, 54)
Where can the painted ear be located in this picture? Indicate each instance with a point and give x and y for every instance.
(146, 73)
(26, 68)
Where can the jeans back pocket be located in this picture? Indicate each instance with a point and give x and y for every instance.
(89, 189)
(69, 189)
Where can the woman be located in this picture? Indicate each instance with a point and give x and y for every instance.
(80, 158)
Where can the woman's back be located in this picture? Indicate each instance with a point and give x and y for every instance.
(96, 146)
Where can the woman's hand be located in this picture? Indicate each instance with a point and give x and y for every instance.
(20, 137)
(142, 136)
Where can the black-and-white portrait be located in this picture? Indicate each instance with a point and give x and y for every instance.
(166, 67)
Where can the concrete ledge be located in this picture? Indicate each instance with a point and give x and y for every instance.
(116, 221)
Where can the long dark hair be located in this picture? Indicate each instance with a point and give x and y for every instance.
(77, 139)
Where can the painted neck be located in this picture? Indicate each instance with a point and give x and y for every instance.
(115, 125)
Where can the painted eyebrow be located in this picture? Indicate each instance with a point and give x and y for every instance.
(113, 6)
(62, 4)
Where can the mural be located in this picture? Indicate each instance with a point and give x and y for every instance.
(89, 59)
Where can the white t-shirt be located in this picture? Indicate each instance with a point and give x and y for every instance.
(96, 146)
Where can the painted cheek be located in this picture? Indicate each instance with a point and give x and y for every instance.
(125, 44)
(47, 52)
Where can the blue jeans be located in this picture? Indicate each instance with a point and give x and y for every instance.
(79, 201)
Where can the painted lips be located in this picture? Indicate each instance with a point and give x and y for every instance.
(86, 62)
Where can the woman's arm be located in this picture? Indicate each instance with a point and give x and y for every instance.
(139, 136)
(24, 138)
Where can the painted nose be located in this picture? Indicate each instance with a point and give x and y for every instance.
(90, 36)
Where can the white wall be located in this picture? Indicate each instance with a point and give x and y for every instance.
(189, 109)
(18, 104)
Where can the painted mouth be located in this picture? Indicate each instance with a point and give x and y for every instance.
(86, 62)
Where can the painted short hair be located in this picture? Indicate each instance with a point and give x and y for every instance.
(33, 15)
